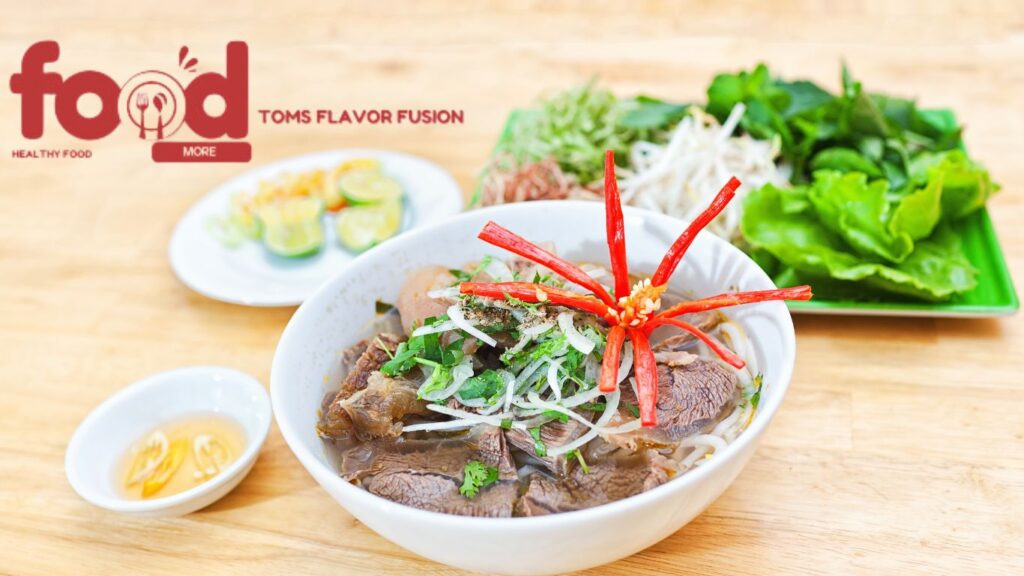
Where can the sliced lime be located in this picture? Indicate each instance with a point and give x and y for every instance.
(362, 227)
(368, 187)
(292, 228)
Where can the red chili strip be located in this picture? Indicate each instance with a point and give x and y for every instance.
(503, 238)
(735, 299)
(609, 378)
(533, 293)
(682, 244)
(615, 227)
(646, 371)
(716, 346)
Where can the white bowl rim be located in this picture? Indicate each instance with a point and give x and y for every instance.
(322, 473)
(143, 386)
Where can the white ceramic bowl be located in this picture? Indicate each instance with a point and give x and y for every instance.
(307, 361)
(102, 439)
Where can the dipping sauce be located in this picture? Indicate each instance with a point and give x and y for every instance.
(179, 455)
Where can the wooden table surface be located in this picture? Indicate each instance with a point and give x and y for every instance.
(900, 446)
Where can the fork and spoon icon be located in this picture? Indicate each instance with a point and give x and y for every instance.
(142, 102)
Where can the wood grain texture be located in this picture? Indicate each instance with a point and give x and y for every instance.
(900, 448)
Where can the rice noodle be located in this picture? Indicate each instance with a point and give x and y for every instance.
(493, 420)
(459, 319)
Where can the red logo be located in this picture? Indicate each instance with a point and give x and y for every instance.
(153, 102)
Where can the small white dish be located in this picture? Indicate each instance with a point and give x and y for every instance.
(306, 366)
(102, 439)
(250, 275)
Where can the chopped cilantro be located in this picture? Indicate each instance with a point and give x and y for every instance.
(440, 377)
(560, 416)
(486, 384)
(538, 447)
(593, 406)
(506, 423)
(522, 303)
(464, 276)
(632, 408)
(475, 476)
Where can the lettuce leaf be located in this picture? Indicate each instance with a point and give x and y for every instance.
(966, 185)
(935, 270)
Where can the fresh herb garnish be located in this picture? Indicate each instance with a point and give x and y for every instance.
(521, 304)
(593, 406)
(487, 384)
(538, 446)
(424, 347)
(755, 398)
(578, 456)
(560, 416)
(464, 276)
(632, 408)
(476, 476)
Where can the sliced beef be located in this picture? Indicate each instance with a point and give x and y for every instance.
(693, 393)
(414, 305)
(610, 480)
(552, 434)
(376, 411)
(355, 410)
(706, 321)
(427, 474)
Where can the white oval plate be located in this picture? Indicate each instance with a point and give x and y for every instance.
(252, 276)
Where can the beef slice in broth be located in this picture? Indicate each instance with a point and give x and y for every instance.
(608, 480)
(552, 434)
(693, 394)
(369, 404)
(414, 304)
(427, 474)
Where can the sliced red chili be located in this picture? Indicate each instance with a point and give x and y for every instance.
(504, 238)
(715, 346)
(737, 298)
(615, 227)
(609, 379)
(646, 372)
(533, 293)
(678, 249)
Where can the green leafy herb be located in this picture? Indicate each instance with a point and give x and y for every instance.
(521, 303)
(475, 477)
(560, 416)
(538, 446)
(593, 406)
(632, 409)
(464, 276)
(488, 384)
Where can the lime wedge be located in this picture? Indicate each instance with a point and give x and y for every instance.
(362, 227)
(292, 228)
(368, 187)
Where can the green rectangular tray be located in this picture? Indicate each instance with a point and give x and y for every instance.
(994, 295)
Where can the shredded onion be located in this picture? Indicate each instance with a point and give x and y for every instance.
(556, 386)
(626, 362)
(438, 426)
(493, 419)
(457, 318)
(576, 339)
(460, 373)
(611, 409)
(434, 328)
(450, 292)
(497, 270)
